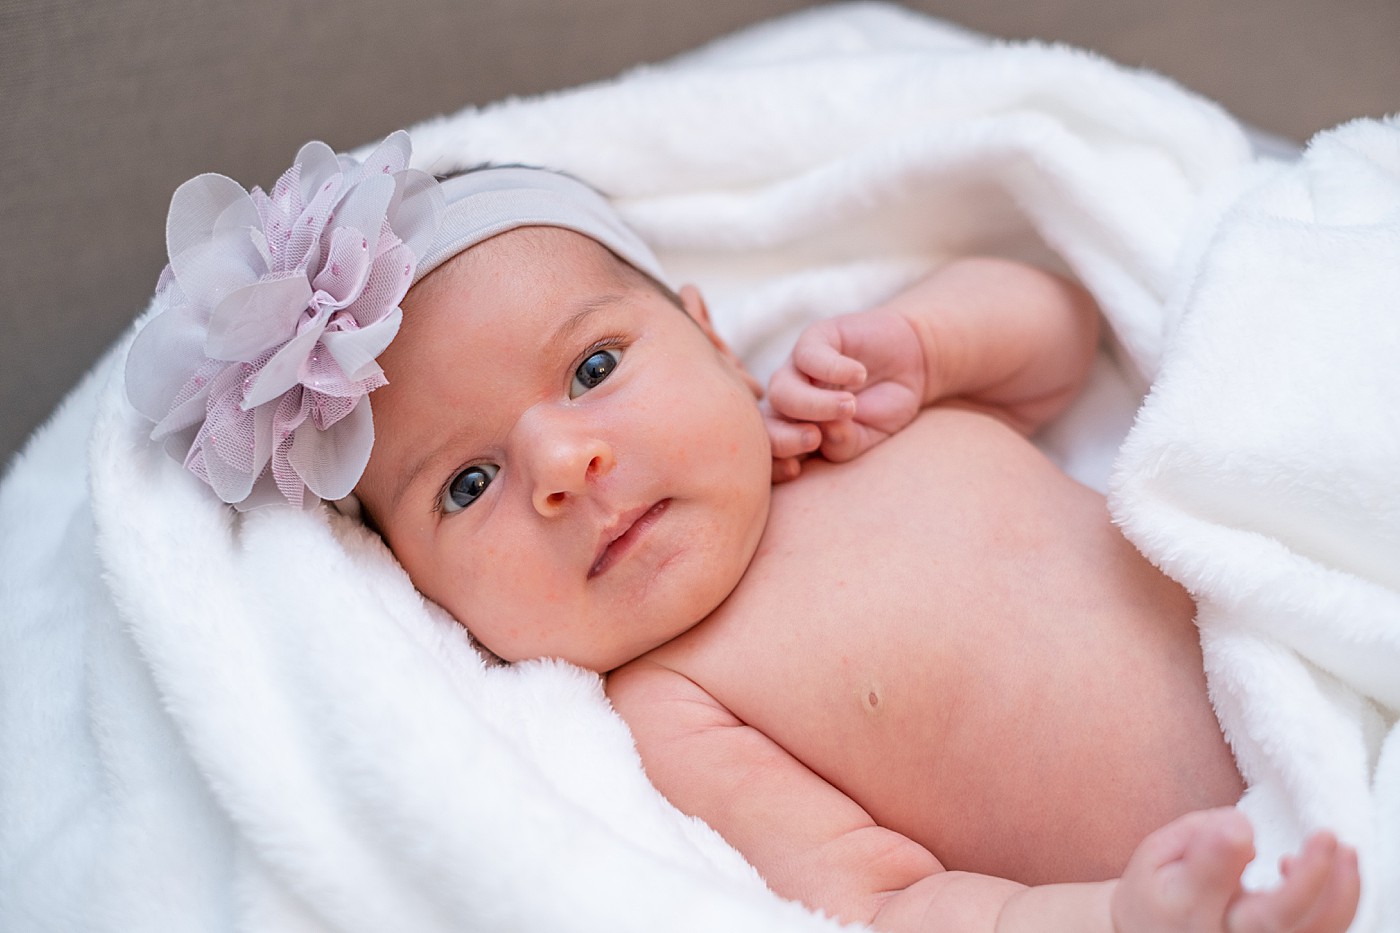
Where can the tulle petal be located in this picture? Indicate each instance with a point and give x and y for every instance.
(331, 461)
(229, 483)
(208, 234)
(226, 445)
(196, 207)
(292, 412)
(417, 211)
(284, 194)
(328, 385)
(279, 211)
(162, 357)
(347, 265)
(208, 271)
(356, 350)
(283, 371)
(241, 215)
(188, 411)
(388, 158)
(318, 163)
(265, 494)
(387, 283)
(257, 316)
(303, 249)
(364, 207)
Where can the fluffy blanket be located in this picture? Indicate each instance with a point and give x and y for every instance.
(216, 721)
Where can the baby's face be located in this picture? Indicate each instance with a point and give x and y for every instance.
(562, 460)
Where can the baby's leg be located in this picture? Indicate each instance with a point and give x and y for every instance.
(1186, 876)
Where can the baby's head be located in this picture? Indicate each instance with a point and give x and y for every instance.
(566, 456)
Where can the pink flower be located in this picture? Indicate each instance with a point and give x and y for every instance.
(257, 365)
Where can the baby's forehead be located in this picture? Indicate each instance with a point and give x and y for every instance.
(525, 292)
(531, 248)
(560, 258)
(566, 260)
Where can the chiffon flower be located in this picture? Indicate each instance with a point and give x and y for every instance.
(258, 362)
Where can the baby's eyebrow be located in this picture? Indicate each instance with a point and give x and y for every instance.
(410, 476)
(562, 334)
(586, 308)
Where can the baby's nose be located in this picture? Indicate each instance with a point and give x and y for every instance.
(566, 470)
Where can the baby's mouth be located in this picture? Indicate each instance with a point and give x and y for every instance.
(623, 533)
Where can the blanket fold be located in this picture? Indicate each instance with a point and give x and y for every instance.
(1262, 473)
(253, 722)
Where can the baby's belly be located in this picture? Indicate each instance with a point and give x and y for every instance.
(950, 630)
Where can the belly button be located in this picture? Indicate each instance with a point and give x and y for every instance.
(871, 700)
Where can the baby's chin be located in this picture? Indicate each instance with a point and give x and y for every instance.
(681, 595)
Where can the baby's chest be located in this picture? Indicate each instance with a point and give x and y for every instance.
(894, 595)
(943, 612)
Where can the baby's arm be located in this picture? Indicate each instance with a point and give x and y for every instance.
(812, 843)
(998, 335)
(808, 840)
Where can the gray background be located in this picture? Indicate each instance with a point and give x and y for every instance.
(108, 106)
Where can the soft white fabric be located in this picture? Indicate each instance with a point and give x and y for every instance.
(1264, 472)
(253, 722)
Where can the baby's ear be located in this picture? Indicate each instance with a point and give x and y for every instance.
(694, 306)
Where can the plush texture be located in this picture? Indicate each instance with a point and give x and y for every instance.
(1262, 473)
(193, 738)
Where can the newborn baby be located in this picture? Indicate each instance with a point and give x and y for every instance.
(920, 672)
(929, 650)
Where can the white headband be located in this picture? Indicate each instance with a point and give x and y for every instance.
(488, 201)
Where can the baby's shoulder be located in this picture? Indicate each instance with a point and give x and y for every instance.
(656, 697)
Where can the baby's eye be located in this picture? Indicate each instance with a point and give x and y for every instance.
(593, 370)
(467, 485)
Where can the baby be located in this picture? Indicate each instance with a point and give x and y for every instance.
(871, 635)
(927, 650)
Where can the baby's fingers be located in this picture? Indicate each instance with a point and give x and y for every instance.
(794, 397)
(786, 470)
(1300, 896)
(791, 438)
(1337, 903)
(818, 357)
(846, 440)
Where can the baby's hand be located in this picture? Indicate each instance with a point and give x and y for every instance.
(857, 378)
(1186, 877)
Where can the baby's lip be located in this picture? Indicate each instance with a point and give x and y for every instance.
(622, 532)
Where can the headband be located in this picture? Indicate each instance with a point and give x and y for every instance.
(484, 202)
(259, 355)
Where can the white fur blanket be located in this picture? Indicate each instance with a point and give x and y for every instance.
(212, 721)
